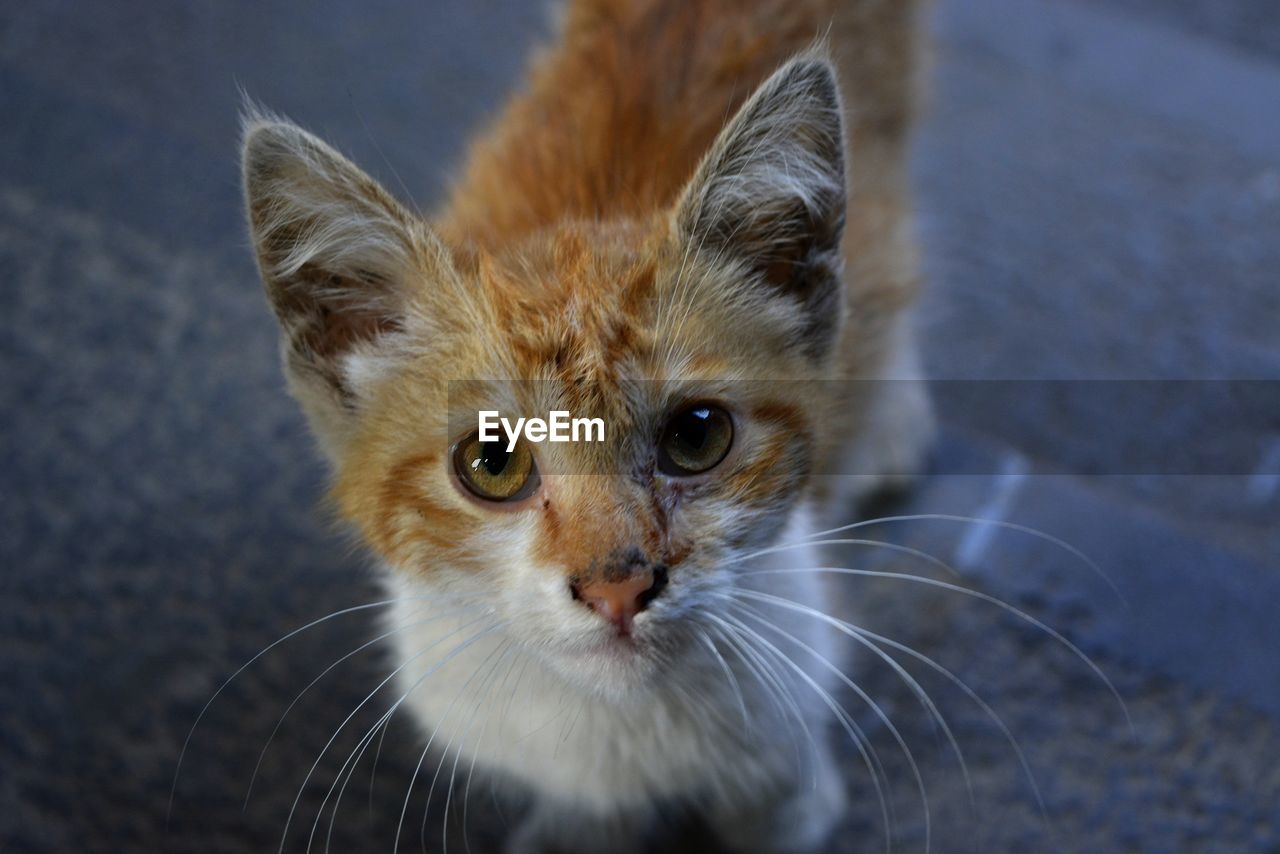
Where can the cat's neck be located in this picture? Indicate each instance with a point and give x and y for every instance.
(615, 120)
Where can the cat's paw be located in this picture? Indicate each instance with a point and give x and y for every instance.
(802, 822)
(545, 830)
(899, 435)
(891, 450)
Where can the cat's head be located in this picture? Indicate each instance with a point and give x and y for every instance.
(693, 335)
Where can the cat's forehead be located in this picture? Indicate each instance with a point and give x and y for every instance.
(576, 304)
(601, 264)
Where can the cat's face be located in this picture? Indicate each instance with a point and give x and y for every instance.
(594, 552)
(694, 337)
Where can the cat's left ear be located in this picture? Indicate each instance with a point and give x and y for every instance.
(771, 194)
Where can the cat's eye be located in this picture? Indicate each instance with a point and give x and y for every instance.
(695, 439)
(490, 472)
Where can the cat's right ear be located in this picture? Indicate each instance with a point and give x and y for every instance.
(341, 260)
(770, 195)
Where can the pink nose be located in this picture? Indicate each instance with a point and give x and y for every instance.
(619, 601)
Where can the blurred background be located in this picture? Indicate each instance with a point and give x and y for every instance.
(1098, 186)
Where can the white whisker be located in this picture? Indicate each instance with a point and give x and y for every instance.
(972, 695)
(457, 755)
(895, 547)
(382, 722)
(353, 760)
(422, 758)
(977, 594)
(850, 630)
(199, 717)
(288, 821)
(475, 754)
(999, 523)
(728, 672)
(859, 738)
(767, 675)
(279, 723)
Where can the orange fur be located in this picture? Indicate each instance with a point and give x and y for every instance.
(680, 207)
(557, 240)
(618, 112)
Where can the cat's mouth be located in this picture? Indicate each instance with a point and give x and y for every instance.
(620, 653)
(619, 644)
(610, 665)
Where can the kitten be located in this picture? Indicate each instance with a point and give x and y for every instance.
(643, 238)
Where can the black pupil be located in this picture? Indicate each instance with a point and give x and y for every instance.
(494, 457)
(693, 428)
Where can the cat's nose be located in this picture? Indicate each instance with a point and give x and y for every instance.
(620, 601)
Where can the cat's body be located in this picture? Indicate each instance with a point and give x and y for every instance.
(621, 244)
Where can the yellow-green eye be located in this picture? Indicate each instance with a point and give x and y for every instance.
(695, 440)
(490, 472)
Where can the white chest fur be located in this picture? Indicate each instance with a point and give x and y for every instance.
(481, 696)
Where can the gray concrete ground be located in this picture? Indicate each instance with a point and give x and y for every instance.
(1099, 187)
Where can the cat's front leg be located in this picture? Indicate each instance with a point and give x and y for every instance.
(554, 828)
(895, 434)
(800, 819)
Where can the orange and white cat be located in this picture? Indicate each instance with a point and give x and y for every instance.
(693, 224)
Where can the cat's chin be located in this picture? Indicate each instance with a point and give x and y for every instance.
(610, 666)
